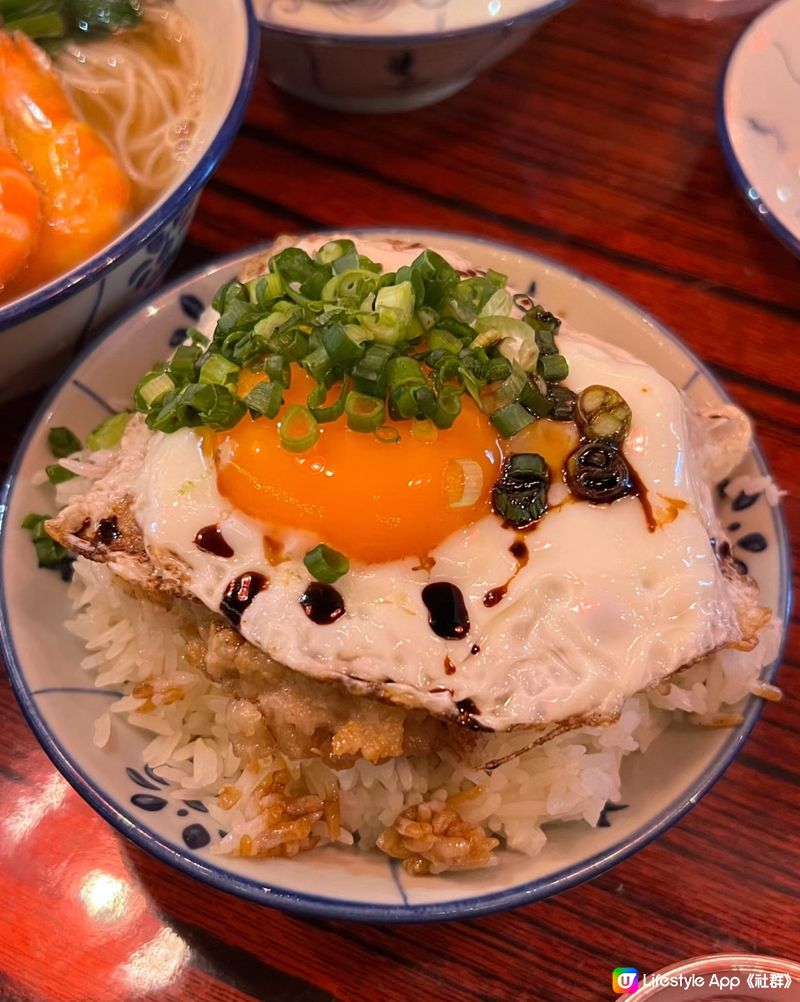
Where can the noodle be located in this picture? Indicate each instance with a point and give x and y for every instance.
(142, 90)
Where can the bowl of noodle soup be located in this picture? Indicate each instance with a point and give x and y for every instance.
(147, 111)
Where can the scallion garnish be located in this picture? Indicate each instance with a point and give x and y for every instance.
(48, 552)
(511, 419)
(407, 345)
(299, 429)
(325, 564)
(364, 413)
(108, 433)
(63, 442)
(58, 474)
(265, 399)
(553, 368)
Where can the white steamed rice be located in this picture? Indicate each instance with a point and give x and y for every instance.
(130, 641)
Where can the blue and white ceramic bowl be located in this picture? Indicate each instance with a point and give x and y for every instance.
(39, 331)
(391, 55)
(759, 122)
(43, 659)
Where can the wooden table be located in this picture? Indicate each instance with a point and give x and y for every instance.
(595, 144)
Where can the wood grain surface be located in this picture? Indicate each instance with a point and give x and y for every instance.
(595, 144)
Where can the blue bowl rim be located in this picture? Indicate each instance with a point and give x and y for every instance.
(43, 298)
(546, 10)
(743, 183)
(330, 908)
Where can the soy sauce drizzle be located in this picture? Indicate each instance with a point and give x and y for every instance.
(475, 649)
(449, 666)
(467, 711)
(108, 530)
(519, 551)
(240, 593)
(639, 491)
(210, 540)
(322, 603)
(447, 611)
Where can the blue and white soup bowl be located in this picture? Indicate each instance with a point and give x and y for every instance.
(40, 330)
(391, 55)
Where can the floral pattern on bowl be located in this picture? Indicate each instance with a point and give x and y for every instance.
(61, 705)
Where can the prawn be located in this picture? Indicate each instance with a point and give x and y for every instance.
(20, 216)
(86, 196)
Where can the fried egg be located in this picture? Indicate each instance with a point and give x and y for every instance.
(556, 624)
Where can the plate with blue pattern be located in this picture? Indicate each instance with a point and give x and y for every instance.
(758, 120)
(61, 704)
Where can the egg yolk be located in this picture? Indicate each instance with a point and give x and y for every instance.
(373, 500)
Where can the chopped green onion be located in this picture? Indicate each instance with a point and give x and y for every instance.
(58, 474)
(546, 341)
(326, 564)
(217, 369)
(63, 442)
(438, 276)
(511, 419)
(334, 250)
(404, 371)
(278, 369)
(563, 401)
(292, 344)
(518, 340)
(539, 319)
(520, 495)
(524, 466)
(108, 433)
(152, 390)
(442, 340)
(342, 348)
(325, 412)
(299, 429)
(48, 552)
(533, 400)
(318, 365)
(208, 404)
(266, 288)
(265, 399)
(369, 374)
(181, 365)
(197, 337)
(601, 413)
(364, 413)
(403, 403)
(506, 393)
(553, 368)
(353, 286)
(399, 299)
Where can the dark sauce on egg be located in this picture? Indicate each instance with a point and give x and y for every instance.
(475, 649)
(519, 551)
(240, 594)
(467, 711)
(108, 530)
(449, 666)
(322, 603)
(447, 611)
(639, 491)
(210, 540)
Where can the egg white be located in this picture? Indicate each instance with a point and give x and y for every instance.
(603, 609)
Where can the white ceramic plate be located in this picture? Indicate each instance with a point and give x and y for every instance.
(59, 702)
(758, 118)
